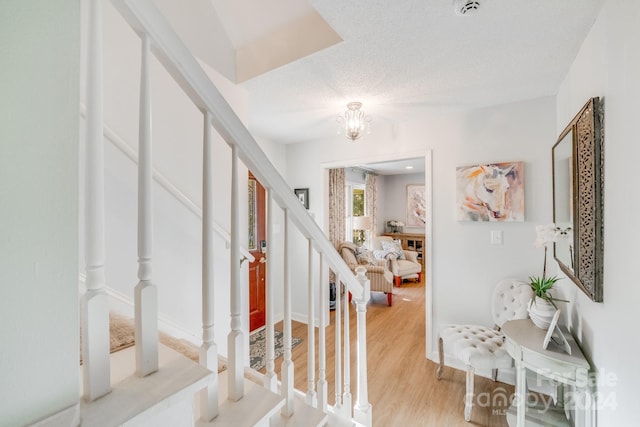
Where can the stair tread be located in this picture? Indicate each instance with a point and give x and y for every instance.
(256, 407)
(304, 415)
(334, 420)
(135, 398)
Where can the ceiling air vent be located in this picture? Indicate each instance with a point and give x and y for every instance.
(466, 7)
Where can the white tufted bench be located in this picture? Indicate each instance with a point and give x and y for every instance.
(479, 347)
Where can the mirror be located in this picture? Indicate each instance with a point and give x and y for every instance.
(577, 199)
(563, 198)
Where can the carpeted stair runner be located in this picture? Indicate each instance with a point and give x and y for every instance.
(122, 335)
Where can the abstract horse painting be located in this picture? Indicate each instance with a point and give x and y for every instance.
(492, 192)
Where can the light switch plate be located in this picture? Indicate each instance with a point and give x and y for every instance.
(496, 237)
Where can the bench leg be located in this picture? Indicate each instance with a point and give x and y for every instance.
(441, 354)
(468, 398)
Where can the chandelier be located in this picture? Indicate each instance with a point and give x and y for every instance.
(354, 121)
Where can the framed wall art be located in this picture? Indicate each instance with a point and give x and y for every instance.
(490, 192)
(303, 196)
(416, 206)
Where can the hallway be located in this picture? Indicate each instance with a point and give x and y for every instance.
(402, 385)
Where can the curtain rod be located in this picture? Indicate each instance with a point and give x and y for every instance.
(364, 170)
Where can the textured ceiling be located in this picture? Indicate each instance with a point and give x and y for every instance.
(399, 58)
(402, 57)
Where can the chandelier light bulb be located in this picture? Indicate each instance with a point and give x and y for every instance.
(354, 121)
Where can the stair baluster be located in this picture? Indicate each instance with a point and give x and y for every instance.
(208, 356)
(270, 378)
(312, 398)
(346, 396)
(337, 406)
(322, 356)
(96, 370)
(235, 344)
(146, 293)
(287, 364)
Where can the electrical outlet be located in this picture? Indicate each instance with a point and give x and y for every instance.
(496, 237)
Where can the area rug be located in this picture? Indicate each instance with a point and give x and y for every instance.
(258, 347)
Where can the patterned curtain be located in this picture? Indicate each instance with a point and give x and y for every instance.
(336, 207)
(370, 200)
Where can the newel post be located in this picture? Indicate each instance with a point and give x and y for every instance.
(362, 411)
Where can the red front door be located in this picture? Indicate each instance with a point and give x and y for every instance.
(257, 268)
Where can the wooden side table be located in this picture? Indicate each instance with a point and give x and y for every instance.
(524, 343)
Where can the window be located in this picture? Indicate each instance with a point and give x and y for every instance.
(354, 206)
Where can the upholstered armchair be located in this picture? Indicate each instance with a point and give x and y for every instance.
(403, 264)
(379, 276)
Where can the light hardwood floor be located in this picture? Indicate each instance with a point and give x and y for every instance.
(402, 385)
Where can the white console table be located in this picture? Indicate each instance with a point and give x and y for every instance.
(524, 343)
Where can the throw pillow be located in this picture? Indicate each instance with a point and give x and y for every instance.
(395, 247)
(365, 256)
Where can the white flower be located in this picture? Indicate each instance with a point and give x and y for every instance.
(396, 223)
(545, 235)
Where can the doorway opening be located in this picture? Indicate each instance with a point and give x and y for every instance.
(395, 175)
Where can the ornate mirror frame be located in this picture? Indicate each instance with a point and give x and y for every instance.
(577, 163)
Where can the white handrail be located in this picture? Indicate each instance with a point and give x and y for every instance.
(144, 18)
(118, 142)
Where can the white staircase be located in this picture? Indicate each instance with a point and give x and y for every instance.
(256, 408)
(135, 400)
(152, 385)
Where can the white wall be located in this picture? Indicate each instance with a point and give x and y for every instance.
(392, 203)
(608, 65)
(464, 263)
(39, 42)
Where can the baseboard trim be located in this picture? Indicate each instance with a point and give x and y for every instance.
(68, 417)
(303, 318)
